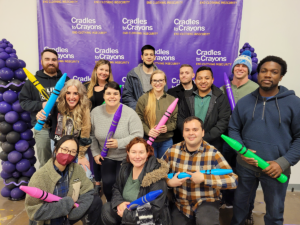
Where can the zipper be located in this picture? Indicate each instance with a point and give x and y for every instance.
(263, 114)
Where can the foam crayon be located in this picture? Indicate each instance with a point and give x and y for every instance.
(164, 119)
(212, 172)
(247, 153)
(144, 199)
(37, 84)
(59, 85)
(112, 129)
(229, 92)
(40, 194)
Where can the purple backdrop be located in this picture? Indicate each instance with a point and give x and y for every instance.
(193, 32)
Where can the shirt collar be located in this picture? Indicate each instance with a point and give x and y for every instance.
(197, 93)
(62, 173)
(199, 150)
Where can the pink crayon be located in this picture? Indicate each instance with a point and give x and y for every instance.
(164, 119)
(40, 194)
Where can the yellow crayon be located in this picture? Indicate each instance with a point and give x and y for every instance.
(37, 84)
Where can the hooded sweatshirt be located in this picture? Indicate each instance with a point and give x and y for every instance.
(31, 99)
(270, 127)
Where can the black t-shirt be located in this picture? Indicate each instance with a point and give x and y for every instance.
(99, 98)
(188, 93)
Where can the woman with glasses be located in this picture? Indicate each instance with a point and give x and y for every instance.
(151, 107)
(129, 127)
(71, 116)
(63, 178)
(95, 88)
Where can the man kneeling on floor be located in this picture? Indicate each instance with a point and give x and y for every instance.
(196, 198)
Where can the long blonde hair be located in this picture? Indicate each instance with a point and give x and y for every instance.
(94, 78)
(80, 109)
(150, 109)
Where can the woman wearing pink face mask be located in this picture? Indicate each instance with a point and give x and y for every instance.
(61, 177)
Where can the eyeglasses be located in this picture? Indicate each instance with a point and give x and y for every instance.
(66, 151)
(158, 81)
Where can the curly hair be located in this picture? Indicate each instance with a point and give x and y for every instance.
(149, 148)
(276, 59)
(80, 109)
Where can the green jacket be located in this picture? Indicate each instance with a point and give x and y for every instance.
(46, 178)
(161, 107)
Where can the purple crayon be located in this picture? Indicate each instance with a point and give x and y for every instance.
(112, 129)
(164, 119)
(229, 92)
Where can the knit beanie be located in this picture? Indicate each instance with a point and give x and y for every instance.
(244, 58)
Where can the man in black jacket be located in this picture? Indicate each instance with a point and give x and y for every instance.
(32, 101)
(210, 105)
(183, 90)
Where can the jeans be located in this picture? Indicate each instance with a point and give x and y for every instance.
(274, 196)
(43, 149)
(161, 147)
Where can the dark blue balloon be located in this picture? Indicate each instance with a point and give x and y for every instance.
(22, 63)
(4, 55)
(1, 97)
(21, 146)
(32, 160)
(3, 45)
(25, 116)
(254, 68)
(27, 135)
(20, 74)
(17, 107)
(6, 74)
(8, 50)
(8, 167)
(2, 50)
(11, 117)
(28, 154)
(31, 142)
(5, 107)
(252, 49)
(13, 55)
(23, 165)
(12, 63)
(254, 77)
(16, 174)
(255, 60)
(30, 172)
(5, 192)
(10, 96)
(2, 63)
(5, 175)
(29, 126)
(14, 156)
(16, 193)
(10, 45)
(20, 126)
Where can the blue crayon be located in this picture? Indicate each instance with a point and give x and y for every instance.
(54, 95)
(144, 199)
(213, 172)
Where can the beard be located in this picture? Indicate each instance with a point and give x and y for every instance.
(51, 69)
(272, 87)
(148, 65)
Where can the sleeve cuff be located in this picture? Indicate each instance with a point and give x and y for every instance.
(283, 163)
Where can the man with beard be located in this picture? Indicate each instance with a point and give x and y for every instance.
(267, 122)
(209, 104)
(138, 79)
(32, 101)
(183, 90)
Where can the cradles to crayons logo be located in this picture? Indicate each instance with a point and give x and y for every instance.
(136, 25)
(209, 56)
(187, 25)
(108, 54)
(63, 53)
(163, 55)
(84, 24)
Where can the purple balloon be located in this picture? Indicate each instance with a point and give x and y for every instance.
(13, 55)
(255, 60)
(8, 167)
(32, 160)
(12, 63)
(17, 107)
(31, 142)
(252, 49)
(1, 49)
(254, 77)
(241, 50)
(29, 172)
(29, 153)
(254, 67)
(231, 77)
(5, 192)
(2, 63)
(16, 193)
(14, 156)
(27, 135)
(4, 55)
(20, 74)
(22, 63)
(6, 74)
(1, 97)
(5, 175)
(10, 45)
(10, 96)
(11, 117)
(20, 126)
(29, 125)
(21, 146)
(23, 165)
(254, 54)
(5, 107)
(16, 174)
(247, 49)
(3, 45)
(25, 116)
(8, 50)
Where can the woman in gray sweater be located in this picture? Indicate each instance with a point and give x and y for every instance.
(129, 127)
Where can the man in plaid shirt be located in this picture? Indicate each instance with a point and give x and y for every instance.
(196, 198)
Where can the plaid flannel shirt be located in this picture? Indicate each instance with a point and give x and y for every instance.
(190, 195)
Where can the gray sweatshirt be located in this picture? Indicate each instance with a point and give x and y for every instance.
(129, 127)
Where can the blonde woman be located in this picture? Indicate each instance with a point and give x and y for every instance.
(151, 107)
(71, 116)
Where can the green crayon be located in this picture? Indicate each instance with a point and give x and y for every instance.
(247, 153)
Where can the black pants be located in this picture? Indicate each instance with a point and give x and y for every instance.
(206, 214)
(109, 216)
(93, 214)
(97, 171)
(110, 169)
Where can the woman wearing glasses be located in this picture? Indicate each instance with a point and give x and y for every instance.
(63, 178)
(71, 116)
(151, 107)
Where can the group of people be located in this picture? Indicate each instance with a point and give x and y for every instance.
(265, 120)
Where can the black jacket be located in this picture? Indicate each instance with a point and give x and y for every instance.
(216, 120)
(151, 178)
(31, 99)
(178, 92)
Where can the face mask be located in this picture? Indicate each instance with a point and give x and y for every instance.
(64, 159)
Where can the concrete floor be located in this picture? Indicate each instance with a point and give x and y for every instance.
(13, 212)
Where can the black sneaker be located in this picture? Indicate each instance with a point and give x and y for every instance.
(249, 220)
(98, 190)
